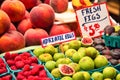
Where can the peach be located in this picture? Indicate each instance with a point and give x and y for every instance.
(24, 25)
(27, 15)
(11, 40)
(15, 9)
(4, 22)
(12, 27)
(59, 29)
(33, 36)
(42, 16)
(74, 27)
(29, 4)
(59, 6)
(47, 1)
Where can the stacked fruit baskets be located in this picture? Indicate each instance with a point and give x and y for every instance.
(71, 60)
(22, 66)
(79, 61)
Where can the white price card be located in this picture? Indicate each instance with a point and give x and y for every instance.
(92, 20)
(58, 39)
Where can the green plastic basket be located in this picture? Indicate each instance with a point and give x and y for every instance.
(117, 67)
(8, 71)
(48, 74)
(21, 68)
(13, 77)
(112, 41)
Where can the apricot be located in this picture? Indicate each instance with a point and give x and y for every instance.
(59, 6)
(24, 25)
(11, 40)
(59, 29)
(4, 22)
(15, 9)
(42, 16)
(34, 36)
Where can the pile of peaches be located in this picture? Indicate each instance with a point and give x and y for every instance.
(25, 22)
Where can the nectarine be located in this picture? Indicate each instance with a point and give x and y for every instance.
(11, 40)
(58, 5)
(4, 22)
(33, 36)
(42, 16)
(15, 9)
(24, 25)
(59, 29)
(29, 4)
(12, 27)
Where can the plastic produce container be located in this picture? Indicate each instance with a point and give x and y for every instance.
(8, 71)
(112, 41)
(11, 70)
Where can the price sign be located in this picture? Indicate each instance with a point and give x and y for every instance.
(58, 39)
(92, 20)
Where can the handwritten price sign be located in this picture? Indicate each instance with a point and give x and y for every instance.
(92, 20)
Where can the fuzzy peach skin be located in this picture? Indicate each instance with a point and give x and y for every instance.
(42, 16)
(4, 22)
(24, 25)
(27, 15)
(15, 9)
(11, 40)
(59, 6)
(29, 4)
(12, 27)
(33, 36)
(59, 29)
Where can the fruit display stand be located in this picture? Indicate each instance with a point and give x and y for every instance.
(66, 53)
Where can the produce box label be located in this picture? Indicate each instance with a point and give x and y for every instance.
(58, 39)
(92, 20)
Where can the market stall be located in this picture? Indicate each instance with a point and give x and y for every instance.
(59, 40)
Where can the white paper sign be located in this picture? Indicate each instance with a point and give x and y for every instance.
(58, 38)
(92, 20)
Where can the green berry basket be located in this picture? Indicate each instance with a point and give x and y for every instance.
(117, 67)
(112, 41)
(11, 70)
(48, 73)
(12, 76)
(99, 69)
(7, 69)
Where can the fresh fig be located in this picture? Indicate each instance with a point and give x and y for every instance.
(86, 41)
(115, 54)
(119, 61)
(98, 41)
(108, 57)
(113, 61)
(114, 34)
(108, 30)
(99, 47)
(106, 52)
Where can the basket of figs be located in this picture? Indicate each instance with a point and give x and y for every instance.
(112, 36)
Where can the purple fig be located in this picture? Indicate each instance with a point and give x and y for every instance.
(115, 54)
(108, 57)
(108, 30)
(113, 61)
(99, 47)
(106, 52)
